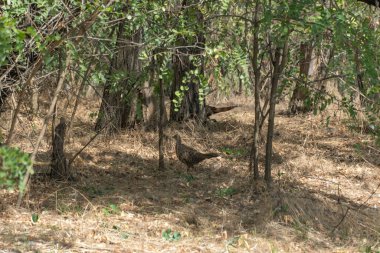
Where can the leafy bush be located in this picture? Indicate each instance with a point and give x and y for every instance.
(13, 166)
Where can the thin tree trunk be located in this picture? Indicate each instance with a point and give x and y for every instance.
(359, 77)
(161, 164)
(77, 99)
(42, 132)
(254, 161)
(279, 65)
(35, 96)
(73, 33)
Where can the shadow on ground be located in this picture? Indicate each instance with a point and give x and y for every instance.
(217, 197)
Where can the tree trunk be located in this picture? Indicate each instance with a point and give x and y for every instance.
(77, 98)
(359, 79)
(307, 68)
(118, 107)
(4, 93)
(59, 169)
(35, 96)
(161, 164)
(254, 159)
(192, 105)
(279, 65)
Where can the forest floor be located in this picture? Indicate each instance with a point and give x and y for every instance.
(324, 197)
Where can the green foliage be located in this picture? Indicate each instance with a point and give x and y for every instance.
(284, 208)
(188, 177)
(35, 217)
(226, 192)
(239, 152)
(170, 235)
(179, 95)
(111, 209)
(369, 249)
(14, 165)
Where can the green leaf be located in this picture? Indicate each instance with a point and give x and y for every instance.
(35, 217)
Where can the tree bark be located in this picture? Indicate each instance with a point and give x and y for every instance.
(44, 126)
(254, 159)
(60, 168)
(161, 164)
(119, 105)
(301, 92)
(280, 60)
(4, 93)
(192, 105)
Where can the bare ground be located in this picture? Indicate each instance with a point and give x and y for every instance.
(324, 197)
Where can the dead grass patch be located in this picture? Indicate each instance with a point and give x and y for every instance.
(120, 202)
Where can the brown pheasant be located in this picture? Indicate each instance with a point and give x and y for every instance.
(210, 110)
(188, 155)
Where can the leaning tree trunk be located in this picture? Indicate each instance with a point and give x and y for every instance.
(190, 103)
(118, 107)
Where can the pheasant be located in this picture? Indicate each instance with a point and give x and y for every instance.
(188, 155)
(210, 110)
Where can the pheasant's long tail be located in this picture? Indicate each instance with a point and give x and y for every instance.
(211, 155)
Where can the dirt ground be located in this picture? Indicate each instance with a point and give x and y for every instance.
(325, 196)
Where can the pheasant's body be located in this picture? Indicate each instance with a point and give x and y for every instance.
(210, 110)
(188, 155)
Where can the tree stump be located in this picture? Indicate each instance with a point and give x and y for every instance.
(60, 168)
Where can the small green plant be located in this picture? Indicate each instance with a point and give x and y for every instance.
(123, 234)
(180, 94)
(67, 208)
(234, 241)
(301, 229)
(226, 192)
(13, 166)
(369, 249)
(188, 178)
(93, 115)
(239, 152)
(111, 209)
(94, 192)
(35, 217)
(170, 235)
(284, 208)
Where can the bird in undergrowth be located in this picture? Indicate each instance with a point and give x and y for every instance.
(188, 155)
(211, 110)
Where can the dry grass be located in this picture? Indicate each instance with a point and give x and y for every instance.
(121, 203)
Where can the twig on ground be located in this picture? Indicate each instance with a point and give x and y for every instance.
(88, 143)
